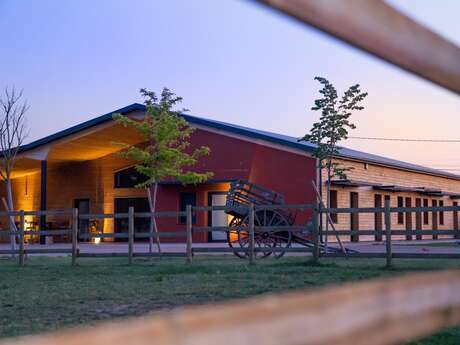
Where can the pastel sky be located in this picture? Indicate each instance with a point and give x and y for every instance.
(231, 60)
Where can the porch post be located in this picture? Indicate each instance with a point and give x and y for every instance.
(43, 199)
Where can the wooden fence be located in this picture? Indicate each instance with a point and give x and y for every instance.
(21, 232)
(315, 249)
(380, 312)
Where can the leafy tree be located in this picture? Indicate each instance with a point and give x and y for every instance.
(332, 127)
(13, 131)
(165, 154)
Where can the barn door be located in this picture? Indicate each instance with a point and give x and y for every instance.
(122, 205)
(83, 208)
(217, 217)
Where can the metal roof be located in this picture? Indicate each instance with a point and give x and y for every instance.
(276, 138)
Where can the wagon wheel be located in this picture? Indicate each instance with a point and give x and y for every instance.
(233, 236)
(272, 238)
(238, 237)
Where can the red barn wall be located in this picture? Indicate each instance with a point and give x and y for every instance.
(233, 158)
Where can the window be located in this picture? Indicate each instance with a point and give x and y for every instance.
(387, 197)
(441, 213)
(426, 216)
(400, 214)
(184, 200)
(333, 201)
(128, 178)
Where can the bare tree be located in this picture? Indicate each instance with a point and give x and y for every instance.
(13, 131)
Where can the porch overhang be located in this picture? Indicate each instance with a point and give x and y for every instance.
(87, 144)
(352, 183)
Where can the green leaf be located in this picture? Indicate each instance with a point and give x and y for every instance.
(165, 153)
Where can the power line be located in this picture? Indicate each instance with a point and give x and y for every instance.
(408, 139)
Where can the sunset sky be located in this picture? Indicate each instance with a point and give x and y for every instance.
(231, 60)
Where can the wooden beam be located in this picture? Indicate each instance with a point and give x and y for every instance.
(43, 198)
(369, 312)
(379, 29)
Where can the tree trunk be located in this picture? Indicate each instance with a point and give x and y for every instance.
(320, 202)
(153, 223)
(10, 208)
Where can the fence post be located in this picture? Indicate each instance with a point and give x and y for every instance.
(251, 234)
(21, 237)
(315, 232)
(74, 235)
(388, 232)
(188, 210)
(130, 234)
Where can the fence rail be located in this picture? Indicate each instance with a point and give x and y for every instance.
(379, 312)
(315, 249)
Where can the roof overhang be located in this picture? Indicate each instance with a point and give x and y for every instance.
(87, 141)
(394, 188)
(352, 183)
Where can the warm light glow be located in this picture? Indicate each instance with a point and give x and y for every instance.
(26, 189)
(233, 236)
(28, 221)
(28, 225)
(96, 240)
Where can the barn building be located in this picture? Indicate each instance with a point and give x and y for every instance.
(79, 167)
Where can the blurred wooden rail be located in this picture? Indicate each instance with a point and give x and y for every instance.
(379, 29)
(377, 312)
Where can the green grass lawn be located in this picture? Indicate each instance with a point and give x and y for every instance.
(48, 293)
(437, 244)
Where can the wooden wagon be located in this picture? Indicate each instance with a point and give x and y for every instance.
(275, 237)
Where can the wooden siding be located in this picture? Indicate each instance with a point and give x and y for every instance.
(390, 176)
